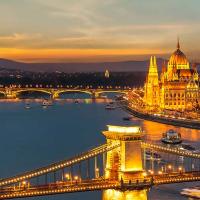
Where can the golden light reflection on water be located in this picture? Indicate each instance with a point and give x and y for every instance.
(127, 195)
(154, 131)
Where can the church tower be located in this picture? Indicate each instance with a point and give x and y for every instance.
(151, 93)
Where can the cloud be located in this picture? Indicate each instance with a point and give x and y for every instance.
(94, 24)
(19, 37)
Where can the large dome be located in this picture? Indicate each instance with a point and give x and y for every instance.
(178, 58)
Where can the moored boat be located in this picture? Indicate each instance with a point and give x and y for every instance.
(27, 106)
(128, 118)
(188, 147)
(171, 137)
(110, 107)
(47, 103)
(76, 101)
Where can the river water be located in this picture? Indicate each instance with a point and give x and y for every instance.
(34, 137)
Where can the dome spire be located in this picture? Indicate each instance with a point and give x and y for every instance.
(178, 43)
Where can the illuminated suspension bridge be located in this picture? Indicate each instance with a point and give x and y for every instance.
(125, 162)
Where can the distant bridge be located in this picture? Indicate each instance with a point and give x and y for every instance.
(13, 92)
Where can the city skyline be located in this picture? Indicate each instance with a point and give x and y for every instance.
(90, 30)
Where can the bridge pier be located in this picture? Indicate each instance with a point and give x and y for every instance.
(10, 94)
(124, 195)
(125, 162)
(55, 95)
(95, 95)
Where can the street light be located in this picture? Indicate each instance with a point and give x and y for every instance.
(76, 178)
(160, 172)
(169, 167)
(23, 182)
(67, 176)
(97, 173)
(144, 174)
(180, 169)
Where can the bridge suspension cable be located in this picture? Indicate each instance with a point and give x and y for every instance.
(59, 165)
(175, 151)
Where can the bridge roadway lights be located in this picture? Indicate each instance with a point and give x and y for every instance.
(124, 162)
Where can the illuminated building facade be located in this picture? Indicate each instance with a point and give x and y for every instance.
(107, 74)
(177, 88)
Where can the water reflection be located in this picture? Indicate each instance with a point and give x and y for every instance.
(127, 195)
(40, 100)
(154, 131)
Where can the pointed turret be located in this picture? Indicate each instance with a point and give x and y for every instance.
(151, 96)
(151, 61)
(178, 43)
(154, 61)
(153, 71)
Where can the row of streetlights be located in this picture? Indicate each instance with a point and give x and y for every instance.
(160, 172)
(66, 86)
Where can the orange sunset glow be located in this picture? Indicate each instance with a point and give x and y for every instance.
(29, 55)
(96, 31)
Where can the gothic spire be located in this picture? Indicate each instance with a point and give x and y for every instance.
(178, 43)
(151, 61)
(154, 61)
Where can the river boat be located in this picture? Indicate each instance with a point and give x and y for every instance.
(27, 106)
(110, 107)
(47, 103)
(76, 101)
(191, 192)
(171, 137)
(188, 147)
(103, 96)
(128, 118)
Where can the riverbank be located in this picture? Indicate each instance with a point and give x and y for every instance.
(170, 121)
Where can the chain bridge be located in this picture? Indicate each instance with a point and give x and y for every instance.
(125, 162)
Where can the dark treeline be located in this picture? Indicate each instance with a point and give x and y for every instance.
(75, 79)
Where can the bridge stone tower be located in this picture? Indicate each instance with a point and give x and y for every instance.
(125, 161)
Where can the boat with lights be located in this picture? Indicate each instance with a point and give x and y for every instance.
(171, 137)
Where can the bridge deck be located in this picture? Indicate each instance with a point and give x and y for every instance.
(57, 188)
(97, 184)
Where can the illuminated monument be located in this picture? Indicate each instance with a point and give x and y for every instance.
(125, 161)
(177, 87)
(107, 74)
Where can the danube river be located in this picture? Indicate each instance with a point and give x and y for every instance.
(38, 136)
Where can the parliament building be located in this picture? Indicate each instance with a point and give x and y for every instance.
(177, 87)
